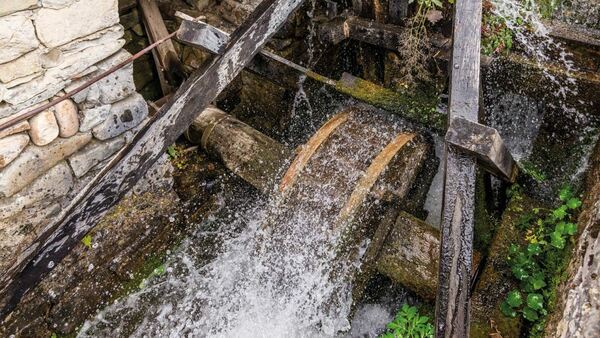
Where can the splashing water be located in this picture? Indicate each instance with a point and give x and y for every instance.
(523, 19)
(281, 276)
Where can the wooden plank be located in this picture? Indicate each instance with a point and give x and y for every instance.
(165, 55)
(130, 164)
(456, 251)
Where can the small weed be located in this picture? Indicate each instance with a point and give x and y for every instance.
(409, 324)
(172, 152)
(87, 241)
(530, 169)
(536, 263)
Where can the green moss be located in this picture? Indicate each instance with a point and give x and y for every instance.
(419, 105)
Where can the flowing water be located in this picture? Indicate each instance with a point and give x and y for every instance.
(281, 276)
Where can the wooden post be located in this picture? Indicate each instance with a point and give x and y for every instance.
(165, 56)
(130, 164)
(456, 251)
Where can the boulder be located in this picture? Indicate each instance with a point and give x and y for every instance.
(44, 128)
(35, 161)
(11, 6)
(67, 118)
(124, 115)
(17, 37)
(81, 18)
(92, 117)
(94, 153)
(11, 147)
(55, 183)
(24, 67)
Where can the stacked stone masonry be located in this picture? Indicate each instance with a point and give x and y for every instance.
(48, 47)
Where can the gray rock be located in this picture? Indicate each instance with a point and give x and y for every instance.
(92, 117)
(74, 59)
(67, 118)
(124, 115)
(113, 88)
(94, 153)
(34, 161)
(54, 184)
(11, 147)
(11, 6)
(81, 18)
(24, 67)
(44, 128)
(17, 37)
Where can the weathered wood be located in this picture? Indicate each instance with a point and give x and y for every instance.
(250, 154)
(165, 55)
(456, 251)
(130, 164)
(486, 144)
(202, 35)
(415, 106)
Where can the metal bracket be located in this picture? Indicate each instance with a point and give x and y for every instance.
(485, 143)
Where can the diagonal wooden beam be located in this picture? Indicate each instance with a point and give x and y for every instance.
(130, 164)
(456, 250)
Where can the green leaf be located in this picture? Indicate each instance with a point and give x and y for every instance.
(565, 193)
(573, 203)
(560, 213)
(557, 240)
(507, 310)
(560, 227)
(534, 249)
(535, 301)
(530, 314)
(87, 240)
(570, 228)
(437, 3)
(537, 281)
(514, 298)
(520, 273)
(173, 153)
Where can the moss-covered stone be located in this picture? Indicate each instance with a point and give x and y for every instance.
(496, 280)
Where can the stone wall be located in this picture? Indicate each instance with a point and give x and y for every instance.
(48, 47)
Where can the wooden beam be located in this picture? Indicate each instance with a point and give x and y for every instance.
(485, 144)
(130, 164)
(165, 56)
(456, 251)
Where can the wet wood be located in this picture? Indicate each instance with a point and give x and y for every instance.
(456, 251)
(308, 149)
(165, 56)
(398, 10)
(486, 144)
(250, 154)
(202, 35)
(130, 164)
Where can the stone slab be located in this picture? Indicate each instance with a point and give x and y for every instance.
(11, 6)
(55, 183)
(11, 147)
(25, 66)
(34, 161)
(17, 128)
(95, 152)
(124, 115)
(91, 117)
(81, 18)
(17, 37)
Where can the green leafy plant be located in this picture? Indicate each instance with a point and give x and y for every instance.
(534, 263)
(172, 152)
(87, 241)
(409, 324)
(496, 37)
